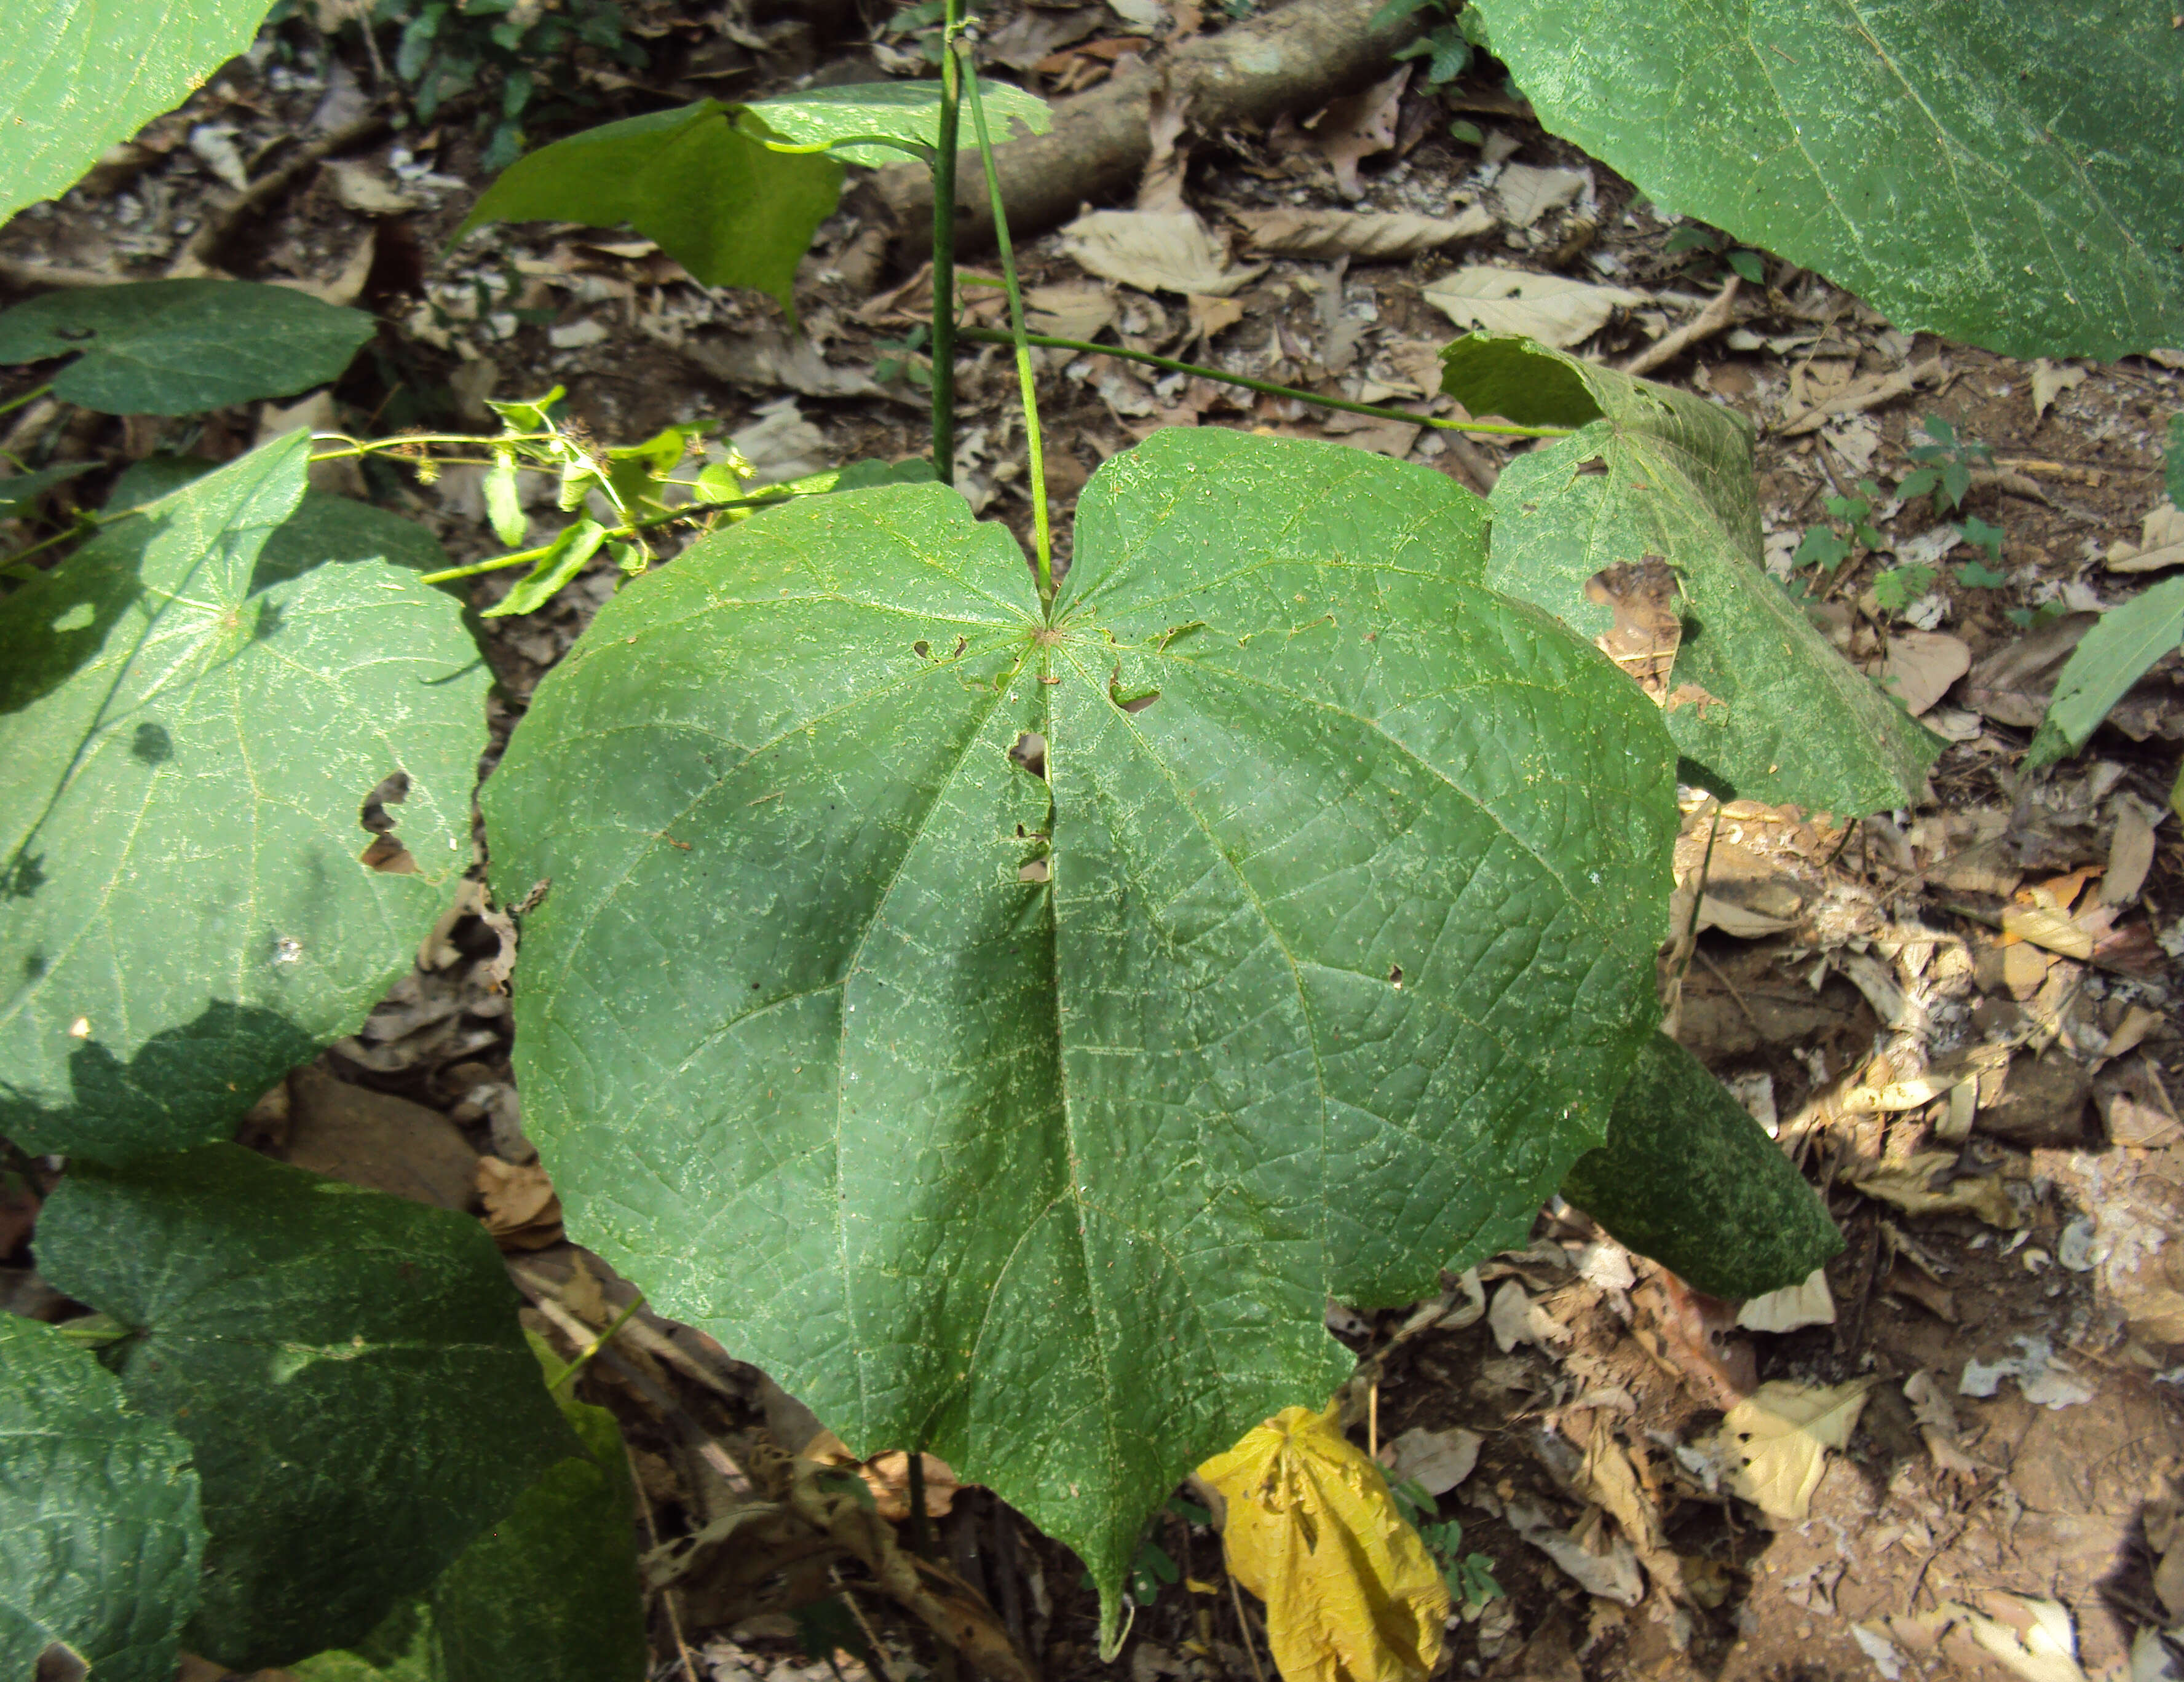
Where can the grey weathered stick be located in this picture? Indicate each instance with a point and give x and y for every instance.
(1292, 60)
(1710, 320)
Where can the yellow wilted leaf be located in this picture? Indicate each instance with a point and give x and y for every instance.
(1351, 1594)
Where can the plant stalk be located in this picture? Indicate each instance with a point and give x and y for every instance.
(1027, 379)
(696, 510)
(993, 336)
(943, 253)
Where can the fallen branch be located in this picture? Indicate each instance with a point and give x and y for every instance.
(1294, 60)
(202, 255)
(1718, 314)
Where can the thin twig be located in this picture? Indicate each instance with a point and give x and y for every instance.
(666, 1594)
(1243, 1625)
(1710, 320)
(993, 335)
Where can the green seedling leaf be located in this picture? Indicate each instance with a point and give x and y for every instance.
(1982, 536)
(346, 1366)
(1655, 471)
(1467, 133)
(1687, 1177)
(906, 112)
(175, 347)
(2115, 655)
(1974, 576)
(565, 557)
(2172, 461)
(2025, 198)
(550, 1593)
(1749, 265)
(77, 75)
(1016, 1074)
(99, 1531)
(20, 494)
(1897, 587)
(701, 181)
(1822, 548)
(191, 721)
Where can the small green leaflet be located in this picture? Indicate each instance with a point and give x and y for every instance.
(346, 1366)
(1687, 1177)
(1009, 1035)
(2115, 655)
(731, 192)
(77, 75)
(194, 708)
(563, 559)
(175, 347)
(699, 180)
(99, 1530)
(1779, 715)
(2000, 174)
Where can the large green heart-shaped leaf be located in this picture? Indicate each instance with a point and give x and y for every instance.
(1687, 1177)
(175, 347)
(699, 180)
(549, 1594)
(99, 1531)
(2004, 174)
(76, 76)
(1008, 1035)
(347, 1365)
(185, 750)
(1656, 472)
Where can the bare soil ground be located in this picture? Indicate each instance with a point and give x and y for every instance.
(2030, 1227)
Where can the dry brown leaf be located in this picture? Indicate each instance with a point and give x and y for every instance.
(2013, 684)
(522, 1211)
(1069, 311)
(1647, 631)
(1921, 666)
(2131, 854)
(1435, 1461)
(1548, 308)
(1372, 235)
(887, 1476)
(1356, 127)
(2160, 544)
(1910, 1184)
(2045, 927)
(1777, 1440)
(1938, 1423)
(1351, 1592)
(1793, 1308)
(1528, 192)
(1165, 251)
(1913, 1092)
(2050, 380)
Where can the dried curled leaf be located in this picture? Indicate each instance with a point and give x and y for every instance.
(1778, 1438)
(1351, 1594)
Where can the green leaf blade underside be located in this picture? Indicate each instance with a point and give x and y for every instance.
(2115, 655)
(906, 111)
(714, 196)
(100, 1535)
(1040, 1116)
(187, 739)
(348, 1366)
(550, 1593)
(77, 75)
(1687, 1177)
(176, 347)
(1794, 721)
(2007, 175)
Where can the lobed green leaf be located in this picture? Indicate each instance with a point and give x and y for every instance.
(2004, 174)
(193, 710)
(77, 75)
(176, 347)
(1651, 471)
(1009, 1033)
(100, 1534)
(1687, 1177)
(347, 1367)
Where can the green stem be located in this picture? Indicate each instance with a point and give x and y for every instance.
(944, 254)
(1027, 380)
(922, 153)
(598, 1343)
(15, 403)
(993, 335)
